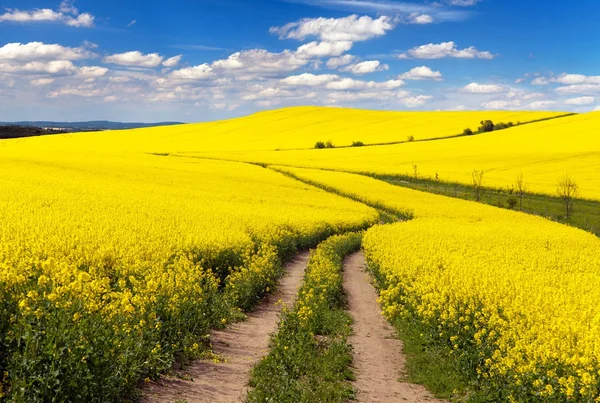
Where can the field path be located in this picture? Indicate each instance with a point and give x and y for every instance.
(378, 358)
(240, 346)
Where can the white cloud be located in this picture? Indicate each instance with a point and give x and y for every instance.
(540, 81)
(421, 73)
(324, 49)
(308, 80)
(135, 59)
(476, 88)
(84, 91)
(352, 28)
(597, 108)
(40, 82)
(110, 98)
(445, 49)
(532, 95)
(346, 84)
(422, 19)
(172, 61)
(501, 104)
(53, 67)
(259, 62)
(580, 101)
(67, 14)
(200, 72)
(92, 71)
(571, 79)
(579, 89)
(336, 62)
(41, 51)
(366, 67)
(416, 101)
(541, 104)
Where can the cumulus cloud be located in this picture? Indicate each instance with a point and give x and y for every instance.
(541, 104)
(41, 51)
(579, 89)
(135, 59)
(476, 88)
(200, 72)
(421, 73)
(580, 101)
(571, 79)
(352, 28)
(308, 80)
(92, 71)
(66, 14)
(416, 101)
(340, 61)
(422, 19)
(42, 82)
(445, 49)
(366, 67)
(540, 81)
(260, 62)
(36, 67)
(172, 61)
(345, 84)
(324, 49)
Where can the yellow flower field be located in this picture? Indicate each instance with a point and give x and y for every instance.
(543, 152)
(289, 128)
(120, 261)
(515, 296)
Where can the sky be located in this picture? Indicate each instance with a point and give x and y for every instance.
(199, 60)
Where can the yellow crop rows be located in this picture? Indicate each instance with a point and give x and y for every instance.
(119, 251)
(515, 296)
(123, 257)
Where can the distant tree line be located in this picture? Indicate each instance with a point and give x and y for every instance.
(15, 132)
(489, 126)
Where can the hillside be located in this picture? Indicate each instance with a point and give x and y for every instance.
(543, 152)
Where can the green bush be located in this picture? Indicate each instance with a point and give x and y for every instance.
(357, 144)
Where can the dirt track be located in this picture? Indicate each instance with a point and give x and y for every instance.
(239, 347)
(378, 359)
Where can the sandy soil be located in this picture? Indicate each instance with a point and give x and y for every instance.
(239, 347)
(378, 359)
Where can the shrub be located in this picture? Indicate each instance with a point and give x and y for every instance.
(319, 144)
(468, 132)
(486, 126)
(329, 144)
(410, 139)
(357, 144)
(512, 202)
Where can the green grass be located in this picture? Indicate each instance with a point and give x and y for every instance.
(586, 213)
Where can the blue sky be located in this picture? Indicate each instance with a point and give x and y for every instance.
(195, 60)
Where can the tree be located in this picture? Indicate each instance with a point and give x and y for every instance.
(521, 189)
(486, 126)
(468, 132)
(416, 171)
(567, 190)
(478, 184)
